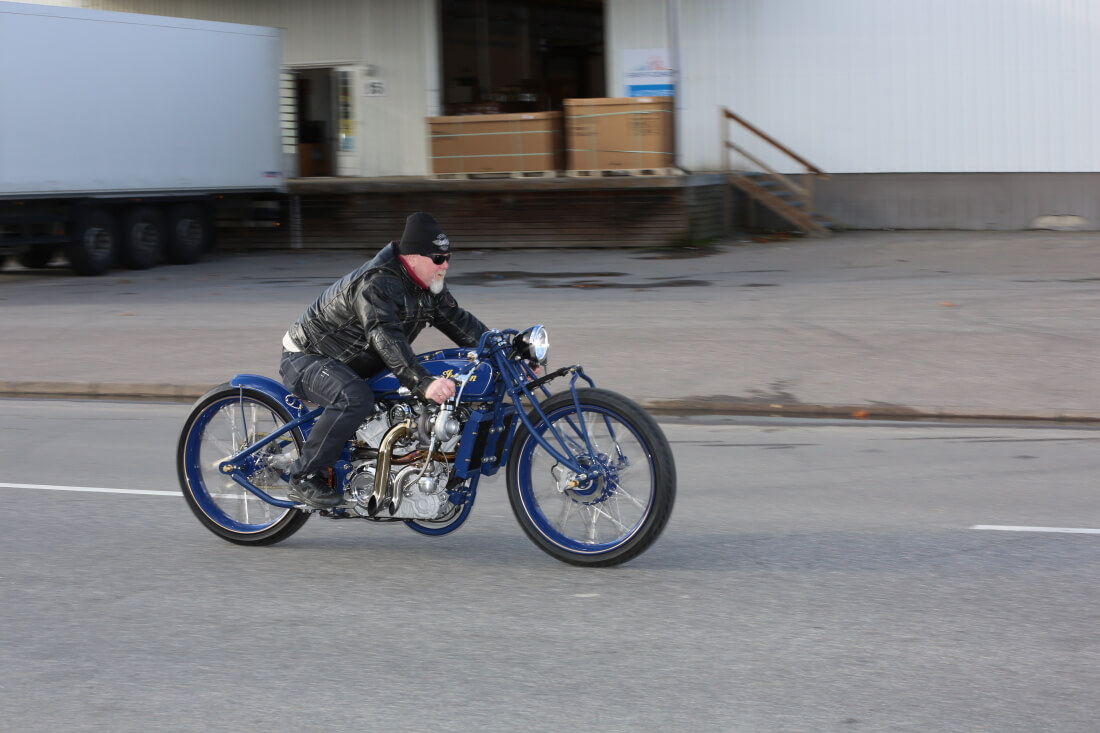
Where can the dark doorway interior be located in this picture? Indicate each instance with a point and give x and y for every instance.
(502, 56)
(315, 122)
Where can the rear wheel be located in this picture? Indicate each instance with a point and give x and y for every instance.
(189, 233)
(621, 500)
(143, 237)
(223, 422)
(92, 241)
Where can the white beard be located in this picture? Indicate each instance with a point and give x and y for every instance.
(437, 285)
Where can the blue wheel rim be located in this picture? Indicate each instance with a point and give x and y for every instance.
(213, 505)
(563, 534)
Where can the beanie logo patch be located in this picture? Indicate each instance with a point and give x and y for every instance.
(442, 242)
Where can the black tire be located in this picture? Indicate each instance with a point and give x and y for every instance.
(93, 239)
(217, 427)
(633, 499)
(142, 237)
(36, 257)
(189, 233)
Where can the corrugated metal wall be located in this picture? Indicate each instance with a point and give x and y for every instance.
(401, 42)
(317, 32)
(867, 86)
(855, 86)
(398, 38)
(631, 24)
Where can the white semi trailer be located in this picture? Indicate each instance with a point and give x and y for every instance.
(121, 134)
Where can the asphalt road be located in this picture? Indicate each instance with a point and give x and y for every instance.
(814, 577)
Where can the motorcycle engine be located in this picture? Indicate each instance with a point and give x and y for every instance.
(419, 491)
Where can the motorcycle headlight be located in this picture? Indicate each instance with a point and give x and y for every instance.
(532, 344)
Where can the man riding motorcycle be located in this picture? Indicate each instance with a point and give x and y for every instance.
(362, 324)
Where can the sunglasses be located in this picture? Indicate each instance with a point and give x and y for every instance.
(440, 259)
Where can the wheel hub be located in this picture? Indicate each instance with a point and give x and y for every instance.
(97, 240)
(189, 231)
(591, 487)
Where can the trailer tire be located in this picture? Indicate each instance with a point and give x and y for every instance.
(92, 241)
(188, 233)
(36, 257)
(142, 238)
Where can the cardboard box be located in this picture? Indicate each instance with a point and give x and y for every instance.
(620, 133)
(512, 143)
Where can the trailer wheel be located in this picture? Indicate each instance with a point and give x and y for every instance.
(143, 237)
(92, 241)
(36, 257)
(188, 233)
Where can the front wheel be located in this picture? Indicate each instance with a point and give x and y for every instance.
(616, 507)
(225, 421)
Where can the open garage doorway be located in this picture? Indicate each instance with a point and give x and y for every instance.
(506, 56)
(325, 117)
(317, 128)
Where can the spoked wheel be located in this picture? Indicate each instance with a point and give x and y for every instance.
(618, 505)
(223, 422)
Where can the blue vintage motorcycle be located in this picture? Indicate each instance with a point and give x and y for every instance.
(590, 475)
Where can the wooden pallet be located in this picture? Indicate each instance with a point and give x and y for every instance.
(494, 175)
(626, 172)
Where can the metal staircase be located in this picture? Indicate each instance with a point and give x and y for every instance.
(779, 193)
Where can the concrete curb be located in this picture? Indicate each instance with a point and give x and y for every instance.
(187, 393)
(704, 406)
(104, 390)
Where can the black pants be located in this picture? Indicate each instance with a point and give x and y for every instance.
(335, 386)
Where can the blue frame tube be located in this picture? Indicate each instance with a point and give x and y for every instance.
(519, 389)
(239, 477)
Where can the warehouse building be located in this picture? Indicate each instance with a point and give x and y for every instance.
(966, 114)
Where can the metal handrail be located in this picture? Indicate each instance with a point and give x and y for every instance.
(804, 192)
(810, 167)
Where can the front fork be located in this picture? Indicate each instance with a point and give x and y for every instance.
(566, 458)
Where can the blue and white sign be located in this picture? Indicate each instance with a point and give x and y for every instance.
(646, 73)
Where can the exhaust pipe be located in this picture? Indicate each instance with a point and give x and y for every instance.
(380, 498)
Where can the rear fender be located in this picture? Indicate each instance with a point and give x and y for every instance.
(272, 388)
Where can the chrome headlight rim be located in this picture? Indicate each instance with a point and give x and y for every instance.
(533, 343)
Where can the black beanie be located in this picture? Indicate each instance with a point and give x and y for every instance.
(423, 236)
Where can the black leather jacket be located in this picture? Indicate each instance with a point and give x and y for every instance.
(368, 318)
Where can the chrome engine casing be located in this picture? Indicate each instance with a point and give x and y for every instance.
(417, 491)
(424, 497)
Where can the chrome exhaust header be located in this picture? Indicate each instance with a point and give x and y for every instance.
(380, 498)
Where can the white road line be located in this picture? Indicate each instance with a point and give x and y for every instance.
(1061, 530)
(89, 488)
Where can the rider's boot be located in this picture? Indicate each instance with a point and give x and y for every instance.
(313, 489)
